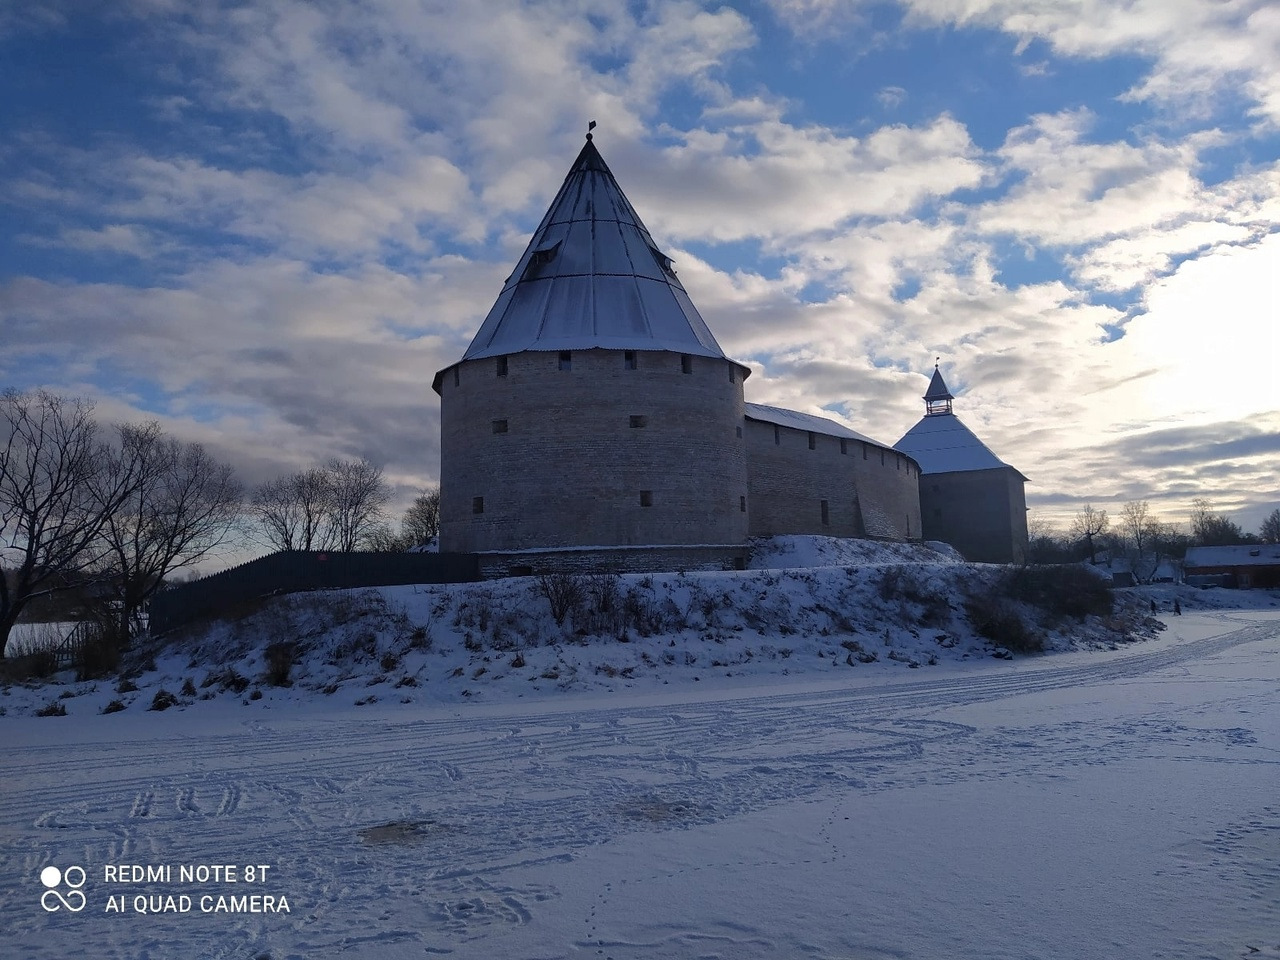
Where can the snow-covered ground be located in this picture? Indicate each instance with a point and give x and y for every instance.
(1091, 803)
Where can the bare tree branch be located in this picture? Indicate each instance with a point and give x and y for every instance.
(358, 495)
(183, 506)
(56, 494)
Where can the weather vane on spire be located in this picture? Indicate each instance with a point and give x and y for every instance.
(590, 126)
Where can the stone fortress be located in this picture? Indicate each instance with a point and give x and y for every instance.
(595, 422)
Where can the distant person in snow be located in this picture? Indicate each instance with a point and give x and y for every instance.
(1153, 606)
(1177, 608)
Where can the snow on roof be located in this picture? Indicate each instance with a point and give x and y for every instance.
(805, 421)
(941, 443)
(592, 277)
(1246, 555)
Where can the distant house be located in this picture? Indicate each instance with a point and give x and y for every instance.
(969, 497)
(1250, 565)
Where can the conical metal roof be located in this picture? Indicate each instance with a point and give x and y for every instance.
(937, 387)
(592, 277)
(941, 443)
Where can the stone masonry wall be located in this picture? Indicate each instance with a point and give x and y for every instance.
(982, 513)
(549, 457)
(889, 491)
(613, 560)
(870, 491)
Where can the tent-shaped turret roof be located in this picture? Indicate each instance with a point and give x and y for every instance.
(941, 443)
(592, 276)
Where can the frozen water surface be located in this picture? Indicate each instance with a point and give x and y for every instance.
(1092, 804)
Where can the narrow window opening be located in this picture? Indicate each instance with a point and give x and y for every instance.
(646, 498)
(899, 460)
(566, 360)
(742, 504)
(456, 377)
(477, 504)
(502, 366)
(733, 374)
(739, 429)
(777, 436)
(826, 513)
(844, 446)
(499, 426)
(686, 363)
(864, 452)
(639, 421)
(813, 440)
(629, 360)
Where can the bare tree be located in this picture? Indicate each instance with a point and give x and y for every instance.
(184, 505)
(1089, 524)
(1135, 523)
(422, 520)
(1211, 529)
(293, 512)
(358, 494)
(1271, 527)
(56, 493)
(1045, 543)
(1148, 539)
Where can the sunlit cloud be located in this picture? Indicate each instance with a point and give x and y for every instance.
(304, 210)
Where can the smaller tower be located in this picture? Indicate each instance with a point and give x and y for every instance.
(937, 399)
(969, 497)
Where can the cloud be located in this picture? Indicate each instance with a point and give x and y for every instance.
(774, 180)
(891, 97)
(1198, 49)
(323, 199)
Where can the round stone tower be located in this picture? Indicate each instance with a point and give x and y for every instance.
(593, 408)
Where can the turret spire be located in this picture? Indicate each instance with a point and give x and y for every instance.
(937, 399)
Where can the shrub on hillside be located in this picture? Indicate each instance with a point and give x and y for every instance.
(163, 700)
(1065, 591)
(99, 655)
(115, 706)
(39, 665)
(564, 593)
(54, 709)
(906, 585)
(279, 660)
(1000, 621)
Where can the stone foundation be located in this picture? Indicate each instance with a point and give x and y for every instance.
(648, 559)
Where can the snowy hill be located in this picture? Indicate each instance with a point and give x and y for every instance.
(810, 605)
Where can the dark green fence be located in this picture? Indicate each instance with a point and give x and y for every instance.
(294, 571)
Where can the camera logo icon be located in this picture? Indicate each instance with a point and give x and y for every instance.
(53, 899)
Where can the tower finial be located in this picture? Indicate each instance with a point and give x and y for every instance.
(590, 126)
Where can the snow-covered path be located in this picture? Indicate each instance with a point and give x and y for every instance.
(1120, 804)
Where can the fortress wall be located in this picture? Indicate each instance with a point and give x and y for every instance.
(788, 482)
(870, 491)
(889, 485)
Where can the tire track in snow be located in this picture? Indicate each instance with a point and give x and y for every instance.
(586, 776)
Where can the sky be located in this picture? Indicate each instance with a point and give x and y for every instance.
(268, 223)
